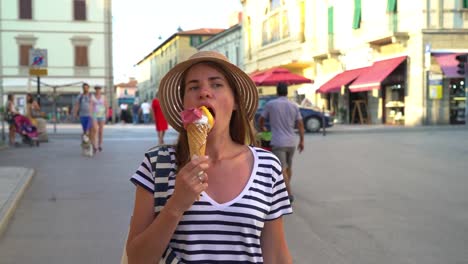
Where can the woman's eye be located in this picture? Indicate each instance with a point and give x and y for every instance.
(192, 88)
(217, 85)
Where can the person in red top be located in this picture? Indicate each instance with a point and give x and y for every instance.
(159, 120)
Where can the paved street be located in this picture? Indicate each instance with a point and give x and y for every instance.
(362, 196)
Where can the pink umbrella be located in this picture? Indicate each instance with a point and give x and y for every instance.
(276, 75)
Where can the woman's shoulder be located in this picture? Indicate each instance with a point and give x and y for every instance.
(161, 150)
(265, 156)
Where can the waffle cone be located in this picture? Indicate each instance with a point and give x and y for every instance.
(196, 134)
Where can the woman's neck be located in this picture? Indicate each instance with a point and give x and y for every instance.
(221, 147)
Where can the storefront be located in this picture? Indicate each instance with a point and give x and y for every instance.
(370, 95)
(453, 87)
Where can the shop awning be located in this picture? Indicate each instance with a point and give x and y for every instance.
(344, 78)
(448, 64)
(373, 78)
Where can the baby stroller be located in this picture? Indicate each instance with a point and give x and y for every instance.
(26, 130)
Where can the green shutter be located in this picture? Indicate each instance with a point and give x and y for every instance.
(465, 3)
(391, 6)
(330, 20)
(357, 14)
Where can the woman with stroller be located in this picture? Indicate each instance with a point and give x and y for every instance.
(11, 112)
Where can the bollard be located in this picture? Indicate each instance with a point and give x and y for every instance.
(324, 132)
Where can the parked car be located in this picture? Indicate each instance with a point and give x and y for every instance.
(311, 116)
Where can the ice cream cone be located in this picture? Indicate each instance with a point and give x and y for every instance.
(196, 134)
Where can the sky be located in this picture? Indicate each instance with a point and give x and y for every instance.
(137, 25)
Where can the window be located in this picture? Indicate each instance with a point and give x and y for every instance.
(25, 9)
(195, 40)
(276, 24)
(24, 55)
(392, 6)
(81, 56)
(330, 20)
(79, 9)
(465, 3)
(357, 14)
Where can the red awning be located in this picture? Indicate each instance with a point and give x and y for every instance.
(448, 64)
(373, 78)
(273, 76)
(344, 78)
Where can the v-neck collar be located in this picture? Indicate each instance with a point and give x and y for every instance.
(205, 196)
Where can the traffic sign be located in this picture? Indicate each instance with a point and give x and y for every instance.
(38, 58)
(38, 62)
(37, 72)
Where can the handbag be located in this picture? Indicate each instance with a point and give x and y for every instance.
(162, 163)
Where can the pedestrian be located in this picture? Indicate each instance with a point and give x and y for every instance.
(99, 115)
(135, 111)
(110, 113)
(283, 116)
(226, 206)
(83, 110)
(159, 120)
(123, 113)
(11, 112)
(33, 112)
(145, 110)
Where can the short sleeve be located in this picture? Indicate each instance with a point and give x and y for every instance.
(266, 111)
(298, 114)
(143, 176)
(280, 204)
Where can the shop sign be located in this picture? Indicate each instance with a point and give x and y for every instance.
(435, 89)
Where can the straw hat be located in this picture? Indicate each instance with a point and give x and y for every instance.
(169, 89)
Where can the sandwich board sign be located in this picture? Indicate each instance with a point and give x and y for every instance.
(38, 62)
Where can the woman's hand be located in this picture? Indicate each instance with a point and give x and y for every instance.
(190, 182)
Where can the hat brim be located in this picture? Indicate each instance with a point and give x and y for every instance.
(169, 89)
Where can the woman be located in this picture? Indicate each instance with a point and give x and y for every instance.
(11, 112)
(33, 109)
(159, 120)
(226, 206)
(33, 113)
(99, 115)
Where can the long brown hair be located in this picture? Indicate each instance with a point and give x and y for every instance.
(241, 129)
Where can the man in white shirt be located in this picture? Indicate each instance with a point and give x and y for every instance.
(145, 108)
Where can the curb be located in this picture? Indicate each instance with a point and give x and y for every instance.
(7, 211)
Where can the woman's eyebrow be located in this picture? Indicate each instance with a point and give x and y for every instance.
(214, 78)
(191, 81)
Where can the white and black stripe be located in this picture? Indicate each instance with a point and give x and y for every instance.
(229, 233)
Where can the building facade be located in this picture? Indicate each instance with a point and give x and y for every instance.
(77, 35)
(373, 61)
(228, 42)
(179, 47)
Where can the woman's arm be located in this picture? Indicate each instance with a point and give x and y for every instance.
(149, 236)
(274, 246)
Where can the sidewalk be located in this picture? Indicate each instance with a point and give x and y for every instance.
(13, 183)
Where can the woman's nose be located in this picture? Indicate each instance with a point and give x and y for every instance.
(205, 92)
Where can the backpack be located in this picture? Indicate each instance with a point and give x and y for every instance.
(162, 161)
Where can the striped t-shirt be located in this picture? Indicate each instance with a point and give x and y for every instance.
(210, 232)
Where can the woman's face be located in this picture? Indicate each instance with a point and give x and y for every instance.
(207, 86)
